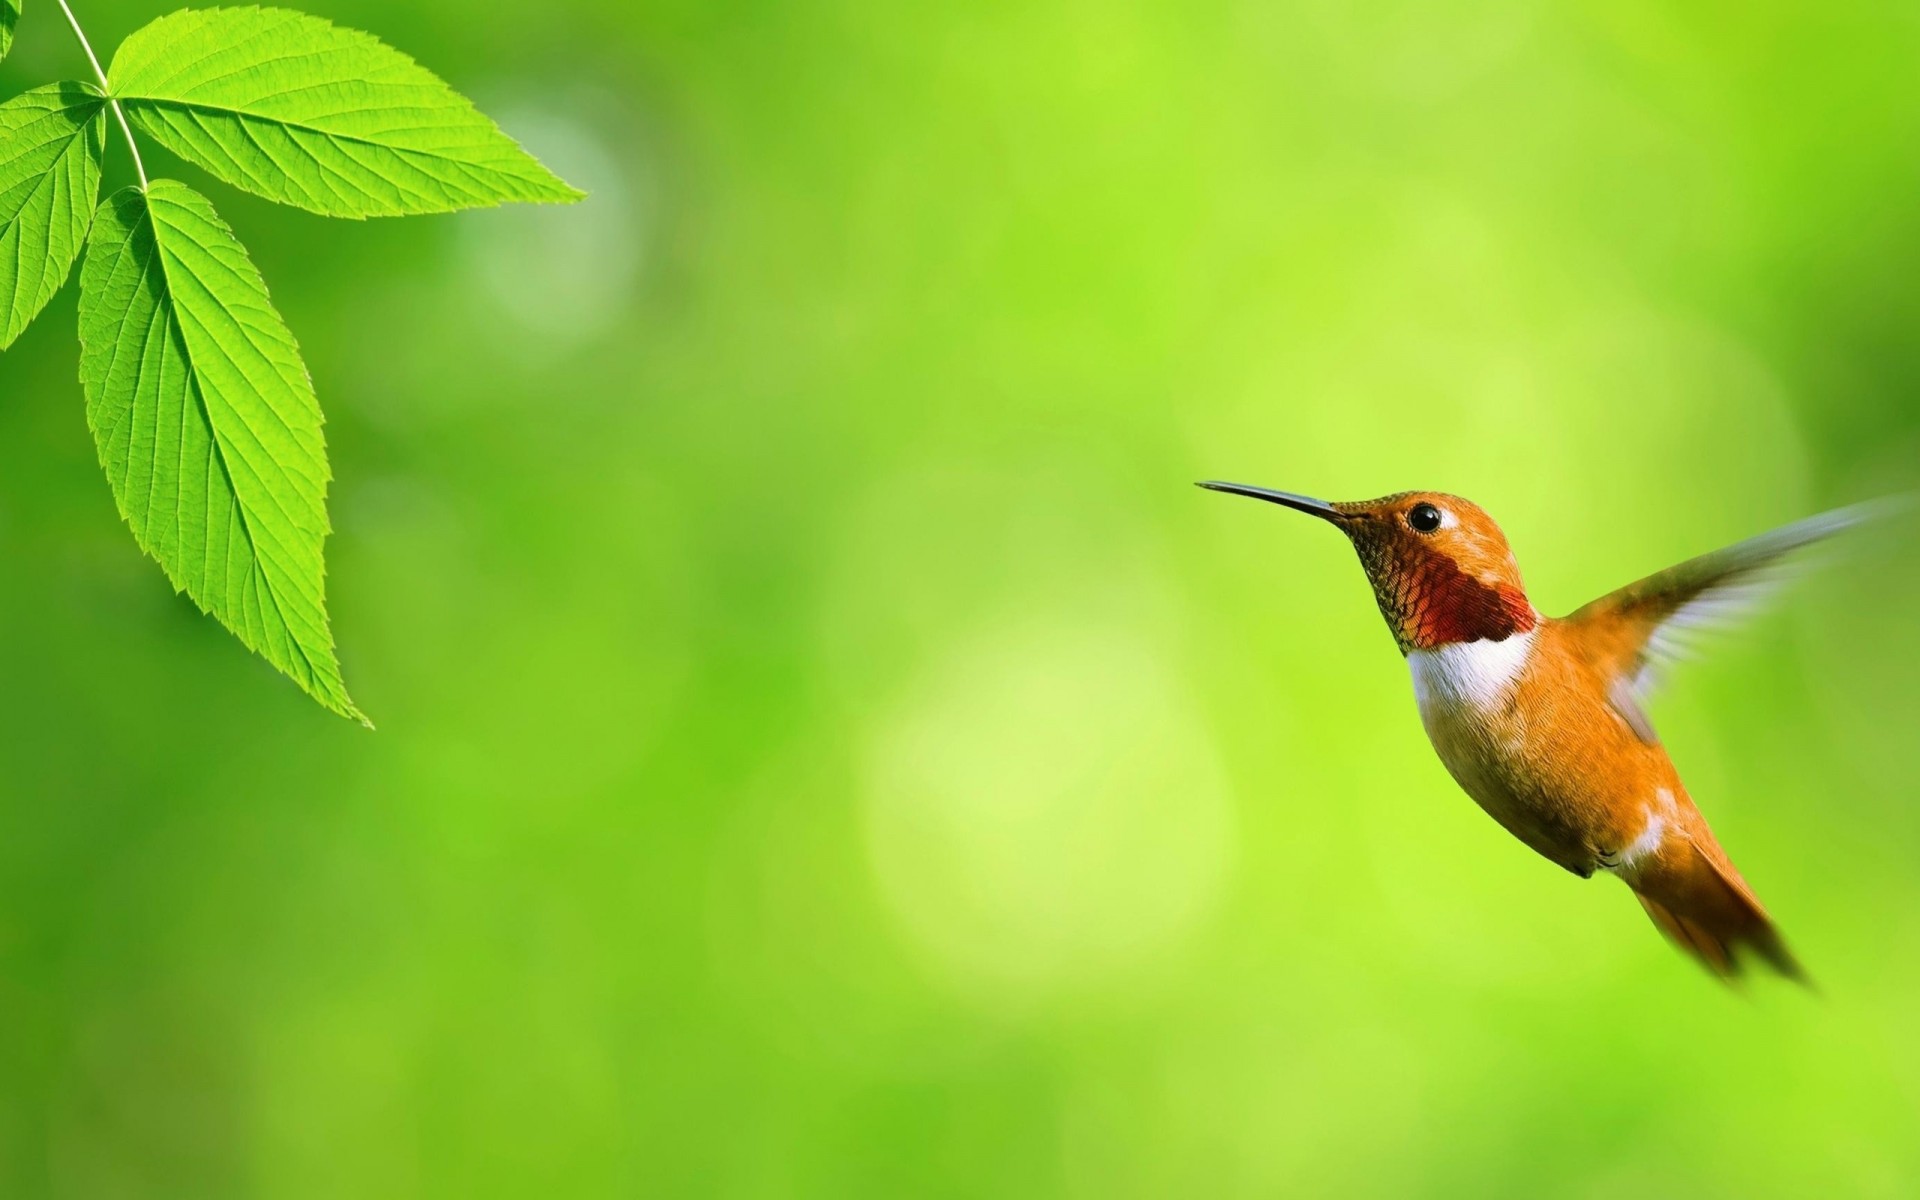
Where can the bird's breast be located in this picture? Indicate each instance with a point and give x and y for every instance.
(1525, 729)
(1470, 680)
(1469, 695)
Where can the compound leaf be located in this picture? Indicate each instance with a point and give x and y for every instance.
(207, 426)
(50, 142)
(299, 110)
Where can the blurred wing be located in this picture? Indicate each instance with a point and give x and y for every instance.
(1644, 628)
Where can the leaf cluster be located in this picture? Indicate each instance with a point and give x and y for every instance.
(200, 405)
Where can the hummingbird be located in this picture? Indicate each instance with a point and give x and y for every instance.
(1541, 719)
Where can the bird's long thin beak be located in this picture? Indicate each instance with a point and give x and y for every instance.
(1305, 504)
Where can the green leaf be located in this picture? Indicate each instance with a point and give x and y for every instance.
(207, 425)
(301, 111)
(50, 140)
(9, 17)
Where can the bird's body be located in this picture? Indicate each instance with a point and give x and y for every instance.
(1539, 720)
(1525, 728)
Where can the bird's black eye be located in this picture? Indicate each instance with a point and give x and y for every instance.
(1424, 518)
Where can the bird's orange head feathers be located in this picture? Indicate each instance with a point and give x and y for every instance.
(1440, 567)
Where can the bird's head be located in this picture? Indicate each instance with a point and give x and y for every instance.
(1439, 566)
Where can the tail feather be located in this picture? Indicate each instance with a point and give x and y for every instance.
(1700, 902)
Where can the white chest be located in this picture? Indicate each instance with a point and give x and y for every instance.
(1467, 678)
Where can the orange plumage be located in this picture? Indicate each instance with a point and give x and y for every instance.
(1539, 718)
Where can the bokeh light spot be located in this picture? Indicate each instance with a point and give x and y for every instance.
(1044, 810)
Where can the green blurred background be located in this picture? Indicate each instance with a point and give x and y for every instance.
(827, 747)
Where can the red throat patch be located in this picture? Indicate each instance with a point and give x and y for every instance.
(1437, 603)
(1457, 607)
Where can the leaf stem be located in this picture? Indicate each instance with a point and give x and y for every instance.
(139, 168)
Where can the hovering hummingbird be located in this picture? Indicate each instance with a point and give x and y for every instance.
(1539, 718)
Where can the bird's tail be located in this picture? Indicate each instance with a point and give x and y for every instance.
(1703, 906)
